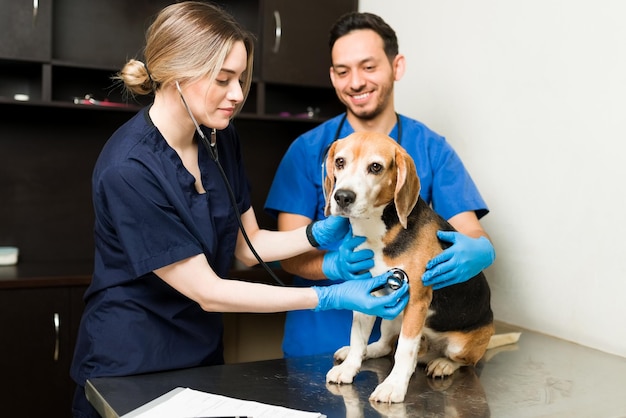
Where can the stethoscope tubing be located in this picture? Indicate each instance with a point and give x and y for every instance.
(211, 147)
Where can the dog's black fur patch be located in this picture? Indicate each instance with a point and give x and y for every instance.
(471, 299)
(421, 215)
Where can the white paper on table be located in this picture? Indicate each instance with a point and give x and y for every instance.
(187, 403)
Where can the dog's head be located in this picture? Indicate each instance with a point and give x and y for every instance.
(365, 172)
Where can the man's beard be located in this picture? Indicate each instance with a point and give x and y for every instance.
(378, 109)
(366, 115)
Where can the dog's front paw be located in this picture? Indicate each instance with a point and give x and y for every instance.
(388, 392)
(441, 367)
(342, 353)
(342, 374)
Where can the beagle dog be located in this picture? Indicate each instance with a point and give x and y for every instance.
(373, 181)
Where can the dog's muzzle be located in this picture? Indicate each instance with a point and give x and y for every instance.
(344, 198)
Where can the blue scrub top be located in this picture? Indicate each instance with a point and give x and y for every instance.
(297, 188)
(148, 214)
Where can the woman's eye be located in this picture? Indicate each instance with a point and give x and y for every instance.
(222, 82)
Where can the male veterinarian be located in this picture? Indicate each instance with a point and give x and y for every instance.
(365, 65)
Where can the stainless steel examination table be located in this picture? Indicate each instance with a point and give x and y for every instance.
(540, 376)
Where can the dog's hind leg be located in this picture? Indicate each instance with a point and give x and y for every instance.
(352, 356)
(462, 349)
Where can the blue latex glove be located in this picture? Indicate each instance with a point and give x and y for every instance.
(328, 231)
(347, 264)
(460, 262)
(355, 295)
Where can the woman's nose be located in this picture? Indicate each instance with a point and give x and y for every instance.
(235, 93)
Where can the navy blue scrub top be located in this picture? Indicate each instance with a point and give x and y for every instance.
(148, 214)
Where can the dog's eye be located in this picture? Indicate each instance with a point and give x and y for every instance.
(339, 163)
(375, 168)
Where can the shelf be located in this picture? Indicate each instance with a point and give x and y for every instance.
(46, 274)
(43, 84)
(70, 83)
(20, 78)
(59, 85)
(68, 105)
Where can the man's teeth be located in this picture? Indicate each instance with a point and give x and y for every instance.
(361, 96)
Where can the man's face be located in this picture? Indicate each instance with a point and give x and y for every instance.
(361, 73)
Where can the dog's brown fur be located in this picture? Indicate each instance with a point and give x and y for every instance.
(373, 181)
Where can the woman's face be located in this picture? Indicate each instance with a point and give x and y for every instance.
(213, 103)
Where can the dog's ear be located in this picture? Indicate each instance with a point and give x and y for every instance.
(407, 185)
(329, 180)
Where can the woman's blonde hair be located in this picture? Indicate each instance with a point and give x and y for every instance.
(187, 41)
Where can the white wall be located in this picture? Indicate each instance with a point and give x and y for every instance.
(532, 95)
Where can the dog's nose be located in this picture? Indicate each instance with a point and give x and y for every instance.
(344, 197)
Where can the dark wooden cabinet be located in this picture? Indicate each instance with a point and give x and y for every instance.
(39, 327)
(292, 59)
(25, 27)
(101, 34)
(25, 44)
(62, 50)
(87, 42)
(295, 40)
(72, 48)
(49, 144)
(47, 155)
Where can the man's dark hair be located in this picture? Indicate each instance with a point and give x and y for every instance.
(354, 21)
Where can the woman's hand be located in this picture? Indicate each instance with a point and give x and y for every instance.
(328, 231)
(356, 295)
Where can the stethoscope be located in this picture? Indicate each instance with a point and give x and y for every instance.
(337, 134)
(212, 150)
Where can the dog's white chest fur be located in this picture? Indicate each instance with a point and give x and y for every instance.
(374, 229)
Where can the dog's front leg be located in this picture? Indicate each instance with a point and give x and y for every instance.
(389, 331)
(393, 388)
(352, 355)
